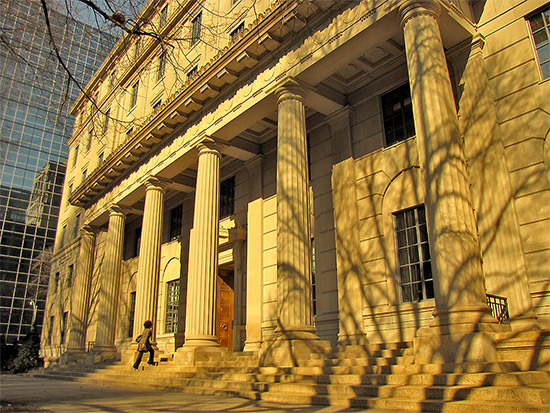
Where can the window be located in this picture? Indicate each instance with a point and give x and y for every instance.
(413, 255)
(100, 158)
(131, 313)
(157, 105)
(64, 327)
(540, 31)
(89, 141)
(175, 222)
(63, 231)
(227, 197)
(112, 78)
(129, 132)
(136, 50)
(70, 275)
(398, 115)
(161, 67)
(106, 120)
(69, 193)
(76, 226)
(193, 72)
(50, 331)
(196, 30)
(163, 15)
(137, 241)
(75, 157)
(237, 30)
(134, 95)
(56, 282)
(172, 304)
(84, 174)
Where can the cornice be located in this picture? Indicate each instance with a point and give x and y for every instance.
(218, 74)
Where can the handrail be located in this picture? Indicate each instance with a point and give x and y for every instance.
(499, 308)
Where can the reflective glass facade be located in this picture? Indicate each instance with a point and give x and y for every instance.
(35, 96)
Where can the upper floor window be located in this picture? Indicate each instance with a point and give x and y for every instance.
(237, 30)
(137, 47)
(84, 174)
(64, 327)
(75, 157)
(112, 78)
(70, 275)
(56, 282)
(161, 67)
(76, 226)
(157, 105)
(134, 95)
(540, 30)
(89, 141)
(196, 30)
(137, 242)
(397, 114)
(163, 15)
(413, 255)
(227, 197)
(106, 120)
(100, 158)
(176, 222)
(192, 72)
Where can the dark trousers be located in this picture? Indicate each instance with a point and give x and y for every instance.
(140, 356)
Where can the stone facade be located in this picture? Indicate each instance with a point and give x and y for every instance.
(349, 173)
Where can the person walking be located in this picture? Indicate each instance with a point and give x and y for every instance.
(144, 345)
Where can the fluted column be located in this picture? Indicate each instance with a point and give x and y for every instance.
(294, 286)
(149, 255)
(80, 296)
(110, 282)
(461, 307)
(200, 320)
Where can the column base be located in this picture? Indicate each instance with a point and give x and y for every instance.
(73, 356)
(457, 336)
(253, 346)
(290, 349)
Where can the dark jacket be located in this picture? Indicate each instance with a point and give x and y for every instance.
(144, 343)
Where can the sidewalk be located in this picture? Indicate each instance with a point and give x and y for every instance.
(27, 394)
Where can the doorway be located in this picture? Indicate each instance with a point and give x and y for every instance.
(225, 303)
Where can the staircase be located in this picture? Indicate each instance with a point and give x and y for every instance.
(380, 377)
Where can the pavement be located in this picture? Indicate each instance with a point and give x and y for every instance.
(22, 393)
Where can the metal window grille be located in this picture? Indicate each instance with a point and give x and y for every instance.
(196, 30)
(413, 255)
(162, 66)
(499, 308)
(238, 30)
(176, 222)
(227, 197)
(134, 95)
(172, 305)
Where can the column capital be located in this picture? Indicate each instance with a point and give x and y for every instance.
(89, 230)
(291, 89)
(209, 145)
(343, 114)
(412, 8)
(116, 210)
(156, 183)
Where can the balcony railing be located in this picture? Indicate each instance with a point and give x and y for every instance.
(499, 308)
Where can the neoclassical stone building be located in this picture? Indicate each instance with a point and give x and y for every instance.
(280, 177)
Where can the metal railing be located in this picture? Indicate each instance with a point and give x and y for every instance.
(499, 308)
(90, 346)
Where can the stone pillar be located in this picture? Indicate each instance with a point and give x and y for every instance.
(340, 134)
(80, 294)
(295, 334)
(461, 308)
(255, 251)
(109, 290)
(200, 319)
(503, 259)
(149, 256)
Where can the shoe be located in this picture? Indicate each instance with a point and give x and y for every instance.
(134, 368)
(152, 364)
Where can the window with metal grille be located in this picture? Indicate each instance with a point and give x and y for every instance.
(196, 30)
(397, 114)
(176, 222)
(163, 15)
(413, 255)
(172, 304)
(539, 24)
(131, 313)
(227, 197)
(106, 120)
(192, 72)
(161, 67)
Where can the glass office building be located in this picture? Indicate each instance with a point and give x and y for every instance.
(35, 96)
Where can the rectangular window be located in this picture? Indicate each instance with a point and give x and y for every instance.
(227, 197)
(157, 105)
(106, 120)
(131, 313)
(134, 95)
(172, 304)
(89, 141)
(398, 115)
(56, 282)
(161, 67)
(196, 31)
(76, 226)
(237, 30)
(136, 50)
(64, 327)
(70, 275)
(137, 241)
(539, 24)
(192, 73)
(112, 78)
(75, 157)
(69, 193)
(63, 231)
(50, 331)
(176, 222)
(413, 255)
(100, 158)
(84, 174)
(163, 15)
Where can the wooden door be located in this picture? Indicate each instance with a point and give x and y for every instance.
(224, 309)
